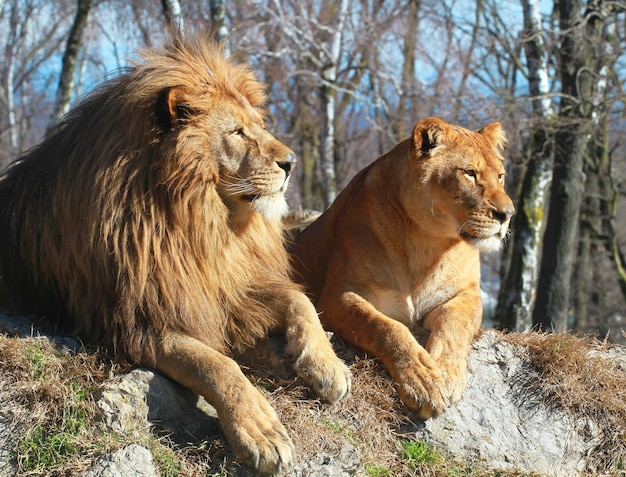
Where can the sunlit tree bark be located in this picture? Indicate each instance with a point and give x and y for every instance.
(218, 18)
(73, 47)
(552, 307)
(517, 294)
(173, 13)
(328, 100)
(408, 80)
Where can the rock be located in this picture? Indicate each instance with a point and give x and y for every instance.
(346, 463)
(145, 398)
(500, 423)
(27, 328)
(7, 467)
(132, 461)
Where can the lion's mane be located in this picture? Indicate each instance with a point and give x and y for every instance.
(115, 222)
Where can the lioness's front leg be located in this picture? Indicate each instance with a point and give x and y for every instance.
(452, 328)
(251, 426)
(419, 379)
(315, 360)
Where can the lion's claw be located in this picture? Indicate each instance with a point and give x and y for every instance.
(257, 436)
(329, 377)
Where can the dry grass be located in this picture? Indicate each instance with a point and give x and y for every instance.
(46, 395)
(575, 376)
(50, 391)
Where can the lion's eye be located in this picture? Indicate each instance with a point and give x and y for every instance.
(470, 174)
(501, 178)
(240, 132)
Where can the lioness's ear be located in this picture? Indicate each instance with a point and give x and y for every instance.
(495, 134)
(428, 134)
(173, 106)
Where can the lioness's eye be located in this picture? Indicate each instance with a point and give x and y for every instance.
(470, 173)
(501, 178)
(240, 132)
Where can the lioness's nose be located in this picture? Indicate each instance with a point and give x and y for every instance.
(504, 214)
(288, 164)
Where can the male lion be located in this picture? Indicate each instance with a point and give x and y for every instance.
(150, 217)
(399, 248)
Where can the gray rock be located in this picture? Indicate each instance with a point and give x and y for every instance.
(7, 466)
(145, 398)
(345, 463)
(132, 461)
(500, 423)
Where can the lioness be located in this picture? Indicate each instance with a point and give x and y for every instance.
(400, 248)
(149, 221)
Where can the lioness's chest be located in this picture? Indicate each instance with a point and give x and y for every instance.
(413, 293)
(411, 308)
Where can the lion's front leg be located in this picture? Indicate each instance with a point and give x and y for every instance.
(452, 329)
(314, 358)
(251, 425)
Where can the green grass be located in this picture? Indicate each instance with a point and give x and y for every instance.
(416, 453)
(375, 470)
(39, 360)
(46, 446)
(166, 462)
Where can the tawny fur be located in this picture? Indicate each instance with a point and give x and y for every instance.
(149, 221)
(399, 249)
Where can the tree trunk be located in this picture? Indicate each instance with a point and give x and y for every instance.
(517, 294)
(173, 14)
(70, 60)
(559, 250)
(409, 87)
(218, 18)
(467, 62)
(328, 100)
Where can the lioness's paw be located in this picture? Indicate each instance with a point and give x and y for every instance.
(327, 375)
(258, 438)
(425, 393)
(455, 372)
(421, 385)
(452, 358)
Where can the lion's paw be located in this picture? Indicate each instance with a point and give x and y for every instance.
(258, 438)
(329, 377)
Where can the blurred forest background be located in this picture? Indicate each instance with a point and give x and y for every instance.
(349, 79)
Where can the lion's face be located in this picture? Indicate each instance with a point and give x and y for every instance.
(465, 175)
(252, 168)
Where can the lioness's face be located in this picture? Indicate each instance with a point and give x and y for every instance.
(466, 179)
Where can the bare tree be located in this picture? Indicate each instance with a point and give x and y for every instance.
(598, 232)
(173, 13)
(516, 298)
(572, 135)
(218, 18)
(70, 59)
(33, 36)
(332, 56)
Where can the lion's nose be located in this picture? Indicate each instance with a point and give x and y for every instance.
(288, 164)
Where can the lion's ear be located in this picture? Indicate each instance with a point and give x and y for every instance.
(495, 134)
(428, 134)
(173, 106)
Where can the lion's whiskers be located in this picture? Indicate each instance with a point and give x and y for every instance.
(239, 186)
